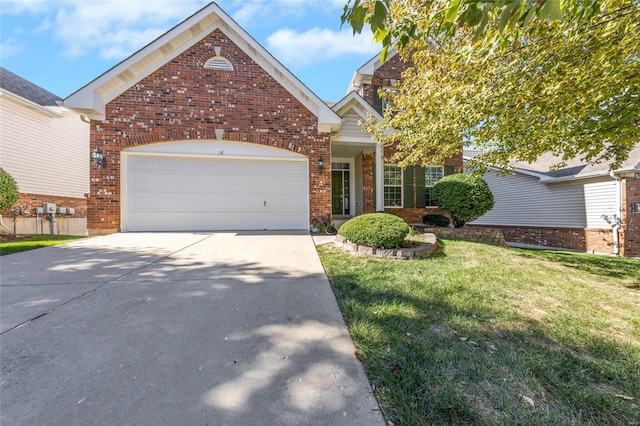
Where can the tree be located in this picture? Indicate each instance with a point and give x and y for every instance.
(465, 197)
(8, 191)
(515, 78)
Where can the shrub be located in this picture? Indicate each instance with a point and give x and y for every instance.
(466, 197)
(380, 230)
(8, 191)
(323, 224)
(436, 220)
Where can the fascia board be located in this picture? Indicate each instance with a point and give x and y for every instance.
(353, 101)
(92, 103)
(30, 104)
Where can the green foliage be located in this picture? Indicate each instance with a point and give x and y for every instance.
(8, 191)
(516, 79)
(436, 220)
(380, 230)
(466, 197)
(32, 242)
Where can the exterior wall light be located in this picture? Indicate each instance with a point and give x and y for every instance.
(320, 165)
(98, 158)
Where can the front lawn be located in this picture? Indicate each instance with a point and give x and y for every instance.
(488, 335)
(12, 244)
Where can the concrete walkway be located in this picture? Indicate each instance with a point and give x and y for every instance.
(177, 329)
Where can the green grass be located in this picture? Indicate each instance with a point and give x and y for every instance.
(489, 335)
(31, 242)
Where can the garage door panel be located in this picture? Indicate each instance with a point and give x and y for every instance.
(215, 194)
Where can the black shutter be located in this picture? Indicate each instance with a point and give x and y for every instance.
(421, 196)
(449, 170)
(377, 101)
(408, 187)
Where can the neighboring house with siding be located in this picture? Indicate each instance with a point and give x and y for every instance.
(203, 129)
(579, 206)
(45, 147)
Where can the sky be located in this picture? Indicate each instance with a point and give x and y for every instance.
(61, 45)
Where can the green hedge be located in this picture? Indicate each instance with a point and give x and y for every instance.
(380, 230)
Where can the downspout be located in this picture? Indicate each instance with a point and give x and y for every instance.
(617, 218)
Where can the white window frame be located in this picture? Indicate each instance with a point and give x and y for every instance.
(384, 101)
(385, 186)
(428, 204)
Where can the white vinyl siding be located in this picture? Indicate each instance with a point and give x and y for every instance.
(522, 200)
(392, 186)
(600, 200)
(45, 153)
(351, 127)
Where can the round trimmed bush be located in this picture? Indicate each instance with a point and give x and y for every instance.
(380, 230)
(466, 197)
(8, 191)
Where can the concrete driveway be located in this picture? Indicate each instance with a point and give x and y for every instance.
(177, 329)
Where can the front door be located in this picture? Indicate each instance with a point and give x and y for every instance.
(340, 204)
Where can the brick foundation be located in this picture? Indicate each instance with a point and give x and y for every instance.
(31, 201)
(582, 239)
(75, 224)
(479, 235)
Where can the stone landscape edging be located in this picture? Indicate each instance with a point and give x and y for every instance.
(422, 251)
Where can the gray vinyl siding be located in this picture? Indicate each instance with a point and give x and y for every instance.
(45, 154)
(521, 200)
(600, 199)
(359, 185)
(351, 128)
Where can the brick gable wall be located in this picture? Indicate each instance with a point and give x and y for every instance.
(182, 101)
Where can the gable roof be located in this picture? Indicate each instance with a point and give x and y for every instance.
(364, 74)
(17, 85)
(353, 101)
(575, 168)
(93, 97)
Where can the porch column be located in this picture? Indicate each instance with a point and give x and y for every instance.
(379, 177)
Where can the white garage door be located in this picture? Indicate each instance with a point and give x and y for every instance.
(168, 193)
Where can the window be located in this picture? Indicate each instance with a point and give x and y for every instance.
(380, 103)
(392, 186)
(432, 174)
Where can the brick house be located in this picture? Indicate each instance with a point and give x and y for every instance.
(575, 207)
(377, 183)
(202, 129)
(44, 147)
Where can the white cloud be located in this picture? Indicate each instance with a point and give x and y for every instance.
(252, 10)
(43, 27)
(317, 45)
(116, 28)
(16, 7)
(11, 47)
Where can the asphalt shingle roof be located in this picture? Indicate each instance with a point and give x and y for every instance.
(19, 86)
(573, 167)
